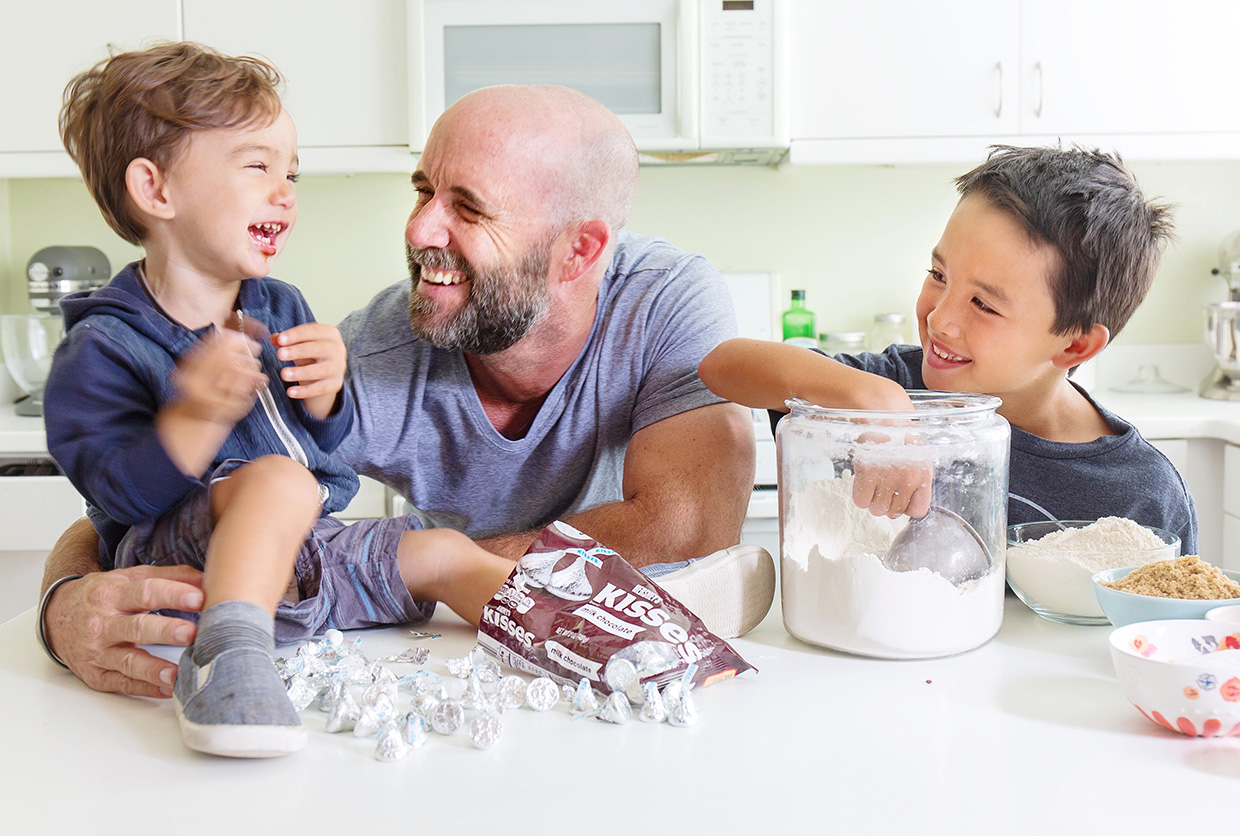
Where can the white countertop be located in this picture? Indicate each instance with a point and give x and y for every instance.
(21, 435)
(1175, 416)
(1030, 734)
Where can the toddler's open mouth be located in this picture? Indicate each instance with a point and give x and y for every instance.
(265, 235)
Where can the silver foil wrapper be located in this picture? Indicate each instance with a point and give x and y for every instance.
(343, 714)
(392, 746)
(447, 717)
(619, 674)
(584, 703)
(425, 682)
(485, 731)
(373, 719)
(410, 656)
(378, 693)
(616, 708)
(542, 694)
(671, 694)
(415, 730)
(511, 692)
(684, 711)
(653, 710)
(301, 692)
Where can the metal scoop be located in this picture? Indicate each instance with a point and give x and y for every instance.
(943, 542)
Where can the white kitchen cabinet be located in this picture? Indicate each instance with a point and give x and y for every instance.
(43, 44)
(890, 82)
(1200, 462)
(34, 511)
(345, 69)
(1128, 67)
(1231, 507)
(890, 68)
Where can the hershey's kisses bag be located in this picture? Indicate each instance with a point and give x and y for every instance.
(571, 606)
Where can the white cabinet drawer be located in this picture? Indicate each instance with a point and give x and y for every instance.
(1230, 558)
(35, 511)
(1231, 479)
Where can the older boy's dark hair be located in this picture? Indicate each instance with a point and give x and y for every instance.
(146, 103)
(1087, 206)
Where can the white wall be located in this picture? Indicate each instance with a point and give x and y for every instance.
(856, 237)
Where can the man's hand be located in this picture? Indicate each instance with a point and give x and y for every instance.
(95, 624)
(318, 356)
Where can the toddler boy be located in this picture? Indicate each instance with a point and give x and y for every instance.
(195, 403)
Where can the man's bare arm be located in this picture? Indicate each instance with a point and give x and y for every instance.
(687, 481)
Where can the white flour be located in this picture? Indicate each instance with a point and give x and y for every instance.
(837, 593)
(1055, 570)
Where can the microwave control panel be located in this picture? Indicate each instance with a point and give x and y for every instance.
(738, 73)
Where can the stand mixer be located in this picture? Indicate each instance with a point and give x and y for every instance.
(28, 341)
(1223, 327)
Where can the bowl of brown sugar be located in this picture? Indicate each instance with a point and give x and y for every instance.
(1185, 587)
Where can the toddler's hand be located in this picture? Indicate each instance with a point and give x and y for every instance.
(318, 356)
(888, 487)
(219, 379)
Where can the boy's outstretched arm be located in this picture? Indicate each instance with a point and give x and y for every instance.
(763, 374)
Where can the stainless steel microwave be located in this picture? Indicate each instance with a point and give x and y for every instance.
(687, 77)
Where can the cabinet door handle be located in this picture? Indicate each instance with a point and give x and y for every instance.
(998, 89)
(1037, 108)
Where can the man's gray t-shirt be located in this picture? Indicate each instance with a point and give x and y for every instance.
(421, 430)
(1120, 475)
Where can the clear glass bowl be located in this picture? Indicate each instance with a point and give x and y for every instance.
(27, 343)
(1054, 578)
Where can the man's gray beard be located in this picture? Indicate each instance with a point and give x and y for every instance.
(502, 306)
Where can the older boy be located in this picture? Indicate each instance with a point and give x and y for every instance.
(158, 406)
(1045, 258)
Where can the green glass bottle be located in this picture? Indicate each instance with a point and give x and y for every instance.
(799, 322)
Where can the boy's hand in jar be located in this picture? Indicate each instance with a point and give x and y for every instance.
(889, 487)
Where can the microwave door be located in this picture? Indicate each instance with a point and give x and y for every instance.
(636, 57)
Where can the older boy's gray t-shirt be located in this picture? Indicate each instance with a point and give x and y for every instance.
(1119, 475)
(421, 430)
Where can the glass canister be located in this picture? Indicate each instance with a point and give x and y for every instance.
(842, 342)
(889, 329)
(894, 588)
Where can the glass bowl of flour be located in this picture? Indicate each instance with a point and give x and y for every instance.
(1049, 564)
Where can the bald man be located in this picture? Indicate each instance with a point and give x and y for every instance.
(538, 364)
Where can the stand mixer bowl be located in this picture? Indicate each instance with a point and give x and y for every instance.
(1222, 335)
(27, 342)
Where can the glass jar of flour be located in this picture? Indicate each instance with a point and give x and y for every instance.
(919, 586)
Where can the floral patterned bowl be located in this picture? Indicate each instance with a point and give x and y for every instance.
(1182, 674)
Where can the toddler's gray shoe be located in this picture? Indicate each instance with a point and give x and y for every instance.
(730, 590)
(236, 706)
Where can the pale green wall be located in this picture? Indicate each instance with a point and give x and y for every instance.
(856, 237)
(9, 291)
